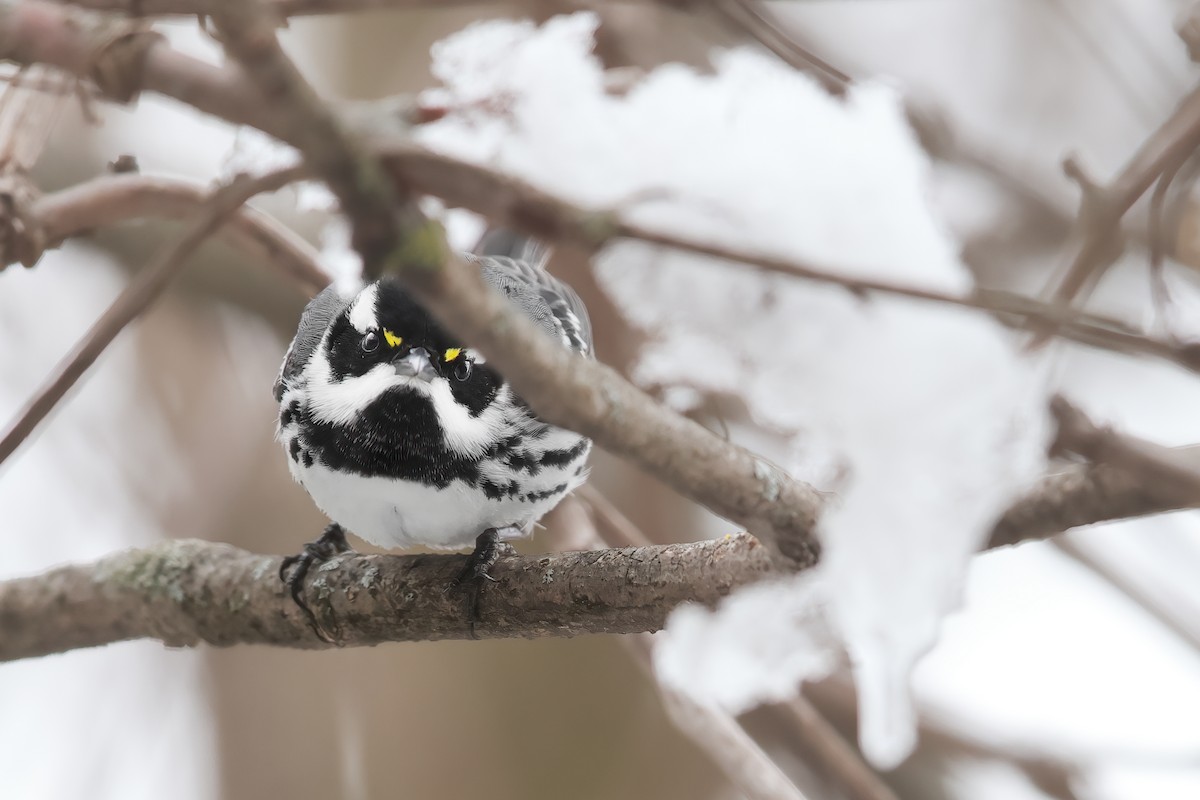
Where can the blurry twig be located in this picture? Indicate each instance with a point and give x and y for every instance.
(511, 201)
(1085, 494)
(817, 740)
(227, 94)
(113, 199)
(281, 8)
(718, 734)
(755, 19)
(141, 293)
(1103, 207)
(30, 104)
(1169, 470)
(1175, 617)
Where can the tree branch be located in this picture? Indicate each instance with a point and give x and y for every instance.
(149, 284)
(511, 201)
(1085, 495)
(187, 592)
(113, 199)
(1103, 207)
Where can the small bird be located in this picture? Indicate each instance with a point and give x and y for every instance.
(406, 436)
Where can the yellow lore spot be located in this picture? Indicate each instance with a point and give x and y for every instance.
(392, 339)
(452, 353)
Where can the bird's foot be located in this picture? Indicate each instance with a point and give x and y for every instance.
(294, 569)
(489, 547)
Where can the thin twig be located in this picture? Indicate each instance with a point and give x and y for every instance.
(1177, 617)
(815, 737)
(754, 19)
(113, 199)
(1085, 494)
(1103, 207)
(511, 201)
(38, 31)
(1169, 470)
(141, 293)
(714, 731)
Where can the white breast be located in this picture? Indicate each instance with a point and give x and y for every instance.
(397, 514)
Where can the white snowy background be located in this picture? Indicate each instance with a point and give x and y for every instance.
(924, 420)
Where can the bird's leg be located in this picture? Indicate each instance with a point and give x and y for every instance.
(489, 546)
(330, 543)
(485, 554)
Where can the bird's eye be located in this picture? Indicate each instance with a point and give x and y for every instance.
(462, 369)
(370, 342)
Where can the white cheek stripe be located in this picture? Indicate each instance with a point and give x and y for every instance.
(340, 402)
(462, 433)
(362, 310)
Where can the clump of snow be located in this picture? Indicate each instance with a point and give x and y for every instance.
(791, 642)
(924, 419)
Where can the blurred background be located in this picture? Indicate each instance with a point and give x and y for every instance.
(1072, 672)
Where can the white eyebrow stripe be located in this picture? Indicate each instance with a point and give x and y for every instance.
(362, 310)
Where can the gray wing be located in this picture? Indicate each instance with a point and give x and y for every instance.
(317, 315)
(516, 266)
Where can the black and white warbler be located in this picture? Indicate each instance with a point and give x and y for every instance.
(405, 436)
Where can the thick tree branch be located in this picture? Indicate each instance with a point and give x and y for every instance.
(221, 595)
(187, 592)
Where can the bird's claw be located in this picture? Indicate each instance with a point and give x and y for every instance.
(488, 548)
(293, 570)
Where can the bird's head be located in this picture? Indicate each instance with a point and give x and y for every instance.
(384, 346)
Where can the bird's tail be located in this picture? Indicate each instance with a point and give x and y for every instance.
(507, 243)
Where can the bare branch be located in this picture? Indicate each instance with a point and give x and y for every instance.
(510, 201)
(187, 592)
(282, 8)
(805, 727)
(32, 33)
(113, 199)
(1085, 495)
(1169, 470)
(141, 293)
(224, 596)
(1103, 207)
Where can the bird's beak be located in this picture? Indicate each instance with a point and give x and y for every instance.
(416, 364)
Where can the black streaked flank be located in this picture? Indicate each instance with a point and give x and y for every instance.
(560, 458)
(533, 497)
(496, 491)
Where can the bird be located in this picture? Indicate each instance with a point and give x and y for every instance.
(406, 436)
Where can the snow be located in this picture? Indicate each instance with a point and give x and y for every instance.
(693, 655)
(925, 421)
